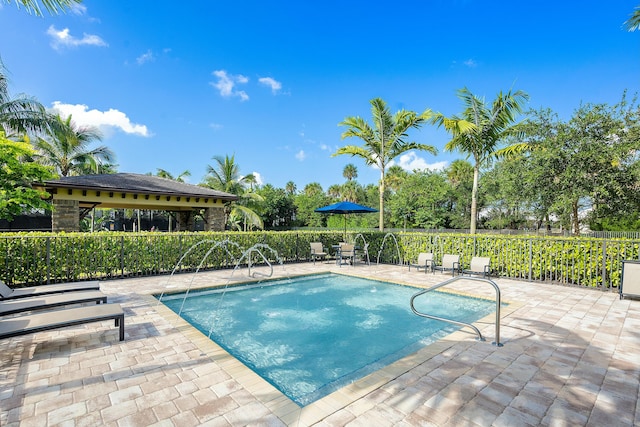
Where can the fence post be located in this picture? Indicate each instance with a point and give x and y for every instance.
(122, 256)
(604, 263)
(530, 259)
(48, 260)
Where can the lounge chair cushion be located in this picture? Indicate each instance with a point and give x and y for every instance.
(23, 325)
(7, 293)
(19, 305)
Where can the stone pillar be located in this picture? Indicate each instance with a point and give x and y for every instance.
(65, 216)
(186, 221)
(214, 219)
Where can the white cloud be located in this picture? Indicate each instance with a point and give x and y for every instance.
(258, 177)
(272, 83)
(78, 9)
(215, 126)
(301, 155)
(145, 57)
(106, 121)
(226, 84)
(63, 38)
(470, 63)
(411, 161)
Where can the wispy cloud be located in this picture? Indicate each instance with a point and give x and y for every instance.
(226, 84)
(301, 155)
(106, 121)
(471, 63)
(272, 83)
(63, 38)
(215, 126)
(145, 57)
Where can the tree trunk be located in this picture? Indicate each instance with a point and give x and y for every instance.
(381, 225)
(474, 198)
(576, 220)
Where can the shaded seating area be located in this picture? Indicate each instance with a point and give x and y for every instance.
(19, 305)
(450, 262)
(7, 293)
(425, 260)
(28, 324)
(318, 251)
(480, 266)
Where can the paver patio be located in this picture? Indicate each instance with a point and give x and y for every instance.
(570, 357)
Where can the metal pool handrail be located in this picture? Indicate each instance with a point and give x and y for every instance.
(455, 322)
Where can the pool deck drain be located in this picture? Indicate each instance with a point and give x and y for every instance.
(570, 357)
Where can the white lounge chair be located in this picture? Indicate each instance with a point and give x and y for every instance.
(7, 293)
(425, 260)
(29, 324)
(19, 305)
(480, 266)
(450, 262)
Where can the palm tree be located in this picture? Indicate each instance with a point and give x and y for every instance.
(385, 140)
(21, 114)
(65, 147)
(290, 187)
(53, 6)
(226, 177)
(165, 174)
(350, 172)
(633, 23)
(479, 130)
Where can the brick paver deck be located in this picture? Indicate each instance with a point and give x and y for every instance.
(571, 357)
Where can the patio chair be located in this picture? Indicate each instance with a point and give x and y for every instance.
(29, 324)
(7, 293)
(318, 251)
(450, 262)
(480, 266)
(425, 260)
(363, 254)
(347, 252)
(19, 305)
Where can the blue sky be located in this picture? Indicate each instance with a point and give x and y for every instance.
(172, 86)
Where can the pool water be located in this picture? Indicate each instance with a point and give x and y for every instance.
(309, 336)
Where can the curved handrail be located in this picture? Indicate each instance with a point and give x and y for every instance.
(455, 322)
(264, 259)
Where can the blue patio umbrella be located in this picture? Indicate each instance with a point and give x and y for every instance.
(345, 208)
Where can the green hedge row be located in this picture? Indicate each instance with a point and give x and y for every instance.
(36, 258)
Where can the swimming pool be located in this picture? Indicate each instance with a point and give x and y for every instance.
(309, 336)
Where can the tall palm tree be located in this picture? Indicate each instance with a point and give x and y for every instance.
(290, 187)
(53, 6)
(225, 176)
(385, 141)
(21, 114)
(479, 129)
(633, 23)
(66, 148)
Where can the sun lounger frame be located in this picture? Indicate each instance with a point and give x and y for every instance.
(40, 302)
(15, 326)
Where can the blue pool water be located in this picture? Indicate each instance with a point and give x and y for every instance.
(311, 335)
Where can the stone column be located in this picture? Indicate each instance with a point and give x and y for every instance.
(214, 219)
(65, 216)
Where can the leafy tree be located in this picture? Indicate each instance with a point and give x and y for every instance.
(395, 178)
(17, 173)
(21, 114)
(278, 209)
(225, 176)
(290, 188)
(459, 176)
(480, 129)
(66, 148)
(413, 207)
(52, 6)
(311, 198)
(504, 188)
(384, 141)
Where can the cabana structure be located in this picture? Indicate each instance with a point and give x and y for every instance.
(73, 197)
